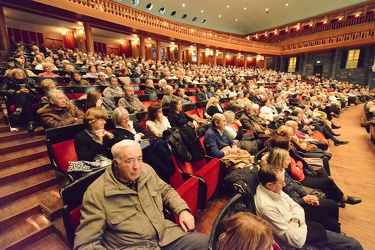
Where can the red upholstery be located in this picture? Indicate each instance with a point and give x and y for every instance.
(143, 124)
(34, 106)
(224, 104)
(64, 152)
(194, 99)
(201, 140)
(191, 112)
(138, 92)
(201, 112)
(189, 193)
(75, 216)
(209, 172)
(148, 103)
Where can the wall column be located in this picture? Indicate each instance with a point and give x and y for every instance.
(245, 60)
(179, 52)
(199, 60)
(224, 58)
(158, 52)
(89, 39)
(214, 54)
(4, 39)
(142, 50)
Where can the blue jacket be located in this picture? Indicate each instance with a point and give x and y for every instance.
(214, 142)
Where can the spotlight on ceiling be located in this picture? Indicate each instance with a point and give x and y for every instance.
(204, 21)
(149, 6)
(134, 2)
(194, 19)
(162, 10)
(184, 16)
(173, 13)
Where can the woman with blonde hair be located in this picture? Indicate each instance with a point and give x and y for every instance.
(246, 231)
(21, 92)
(211, 106)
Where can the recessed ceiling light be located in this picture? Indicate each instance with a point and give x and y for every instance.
(286, 4)
(244, 8)
(219, 15)
(183, 5)
(134, 2)
(236, 19)
(202, 11)
(227, 6)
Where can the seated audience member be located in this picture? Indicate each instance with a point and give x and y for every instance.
(127, 185)
(47, 60)
(233, 103)
(59, 112)
(47, 67)
(323, 211)
(156, 123)
(126, 128)
(92, 72)
(220, 91)
(248, 122)
(163, 86)
(130, 101)
(76, 80)
(69, 70)
(168, 97)
(215, 138)
(213, 107)
(202, 95)
(101, 80)
(94, 140)
(246, 231)
(95, 99)
(179, 119)
(298, 167)
(48, 85)
(230, 129)
(287, 219)
(181, 94)
(149, 88)
(22, 93)
(113, 90)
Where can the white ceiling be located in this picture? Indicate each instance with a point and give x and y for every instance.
(242, 16)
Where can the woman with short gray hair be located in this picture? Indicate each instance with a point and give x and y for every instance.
(126, 129)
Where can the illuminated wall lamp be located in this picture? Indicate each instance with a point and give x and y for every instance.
(63, 32)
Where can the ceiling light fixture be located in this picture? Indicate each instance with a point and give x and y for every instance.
(204, 21)
(202, 11)
(134, 2)
(173, 13)
(149, 6)
(184, 16)
(227, 6)
(219, 15)
(162, 10)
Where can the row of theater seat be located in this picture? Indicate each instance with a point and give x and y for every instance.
(195, 182)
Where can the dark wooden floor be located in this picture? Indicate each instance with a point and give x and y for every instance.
(353, 169)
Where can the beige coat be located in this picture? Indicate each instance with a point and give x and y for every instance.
(114, 216)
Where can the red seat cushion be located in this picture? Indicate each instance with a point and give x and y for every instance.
(64, 152)
(75, 216)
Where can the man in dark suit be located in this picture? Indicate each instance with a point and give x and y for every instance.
(202, 95)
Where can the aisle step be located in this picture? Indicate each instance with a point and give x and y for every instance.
(21, 156)
(27, 186)
(24, 143)
(25, 233)
(23, 170)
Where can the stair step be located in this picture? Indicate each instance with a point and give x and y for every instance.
(60, 230)
(3, 127)
(52, 240)
(18, 189)
(26, 232)
(19, 217)
(23, 170)
(48, 200)
(24, 143)
(16, 135)
(22, 156)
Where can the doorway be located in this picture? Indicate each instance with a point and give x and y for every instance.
(318, 71)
